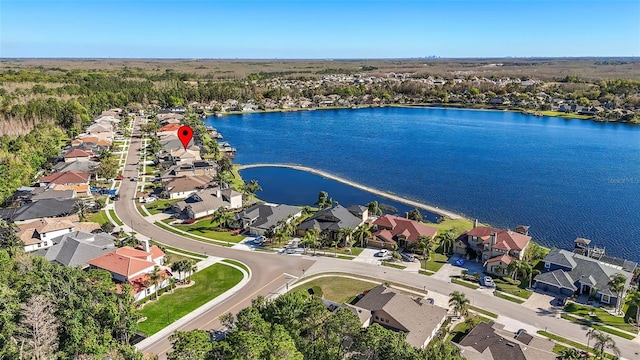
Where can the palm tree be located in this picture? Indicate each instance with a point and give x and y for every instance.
(324, 201)
(590, 335)
(374, 208)
(362, 232)
(311, 238)
(252, 187)
(344, 235)
(604, 341)
(155, 276)
(528, 271)
(447, 239)
(279, 236)
(513, 268)
(459, 302)
(81, 207)
(192, 268)
(571, 354)
(616, 284)
(634, 300)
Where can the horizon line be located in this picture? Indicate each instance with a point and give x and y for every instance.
(326, 58)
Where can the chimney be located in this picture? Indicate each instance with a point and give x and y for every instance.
(218, 193)
(406, 215)
(145, 245)
(493, 239)
(475, 223)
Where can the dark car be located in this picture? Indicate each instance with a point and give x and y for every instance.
(188, 221)
(460, 262)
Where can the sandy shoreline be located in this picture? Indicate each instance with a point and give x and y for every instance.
(417, 204)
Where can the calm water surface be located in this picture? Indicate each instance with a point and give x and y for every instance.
(564, 178)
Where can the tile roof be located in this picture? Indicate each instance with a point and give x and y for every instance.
(504, 258)
(418, 320)
(206, 199)
(77, 153)
(505, 239)
(124, 261)
(410, 229)
(67, 177)
(87, 166)
(487, 342)
(187, 183)
(39, 209)
(78, 188)
(169, 127)
(140, 282)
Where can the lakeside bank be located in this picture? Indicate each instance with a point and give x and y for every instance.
(384, 194)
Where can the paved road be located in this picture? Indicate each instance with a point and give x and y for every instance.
(269, 274)
(268, 270)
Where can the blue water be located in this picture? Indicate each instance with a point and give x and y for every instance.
(564, 178)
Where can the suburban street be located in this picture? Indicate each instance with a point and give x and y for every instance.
(271, 272)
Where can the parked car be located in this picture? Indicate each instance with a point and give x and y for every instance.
(383, 253)
(188, 221)
(259, 239)
(488, 281)
(116, 197)
(408, 257)
(460, 262)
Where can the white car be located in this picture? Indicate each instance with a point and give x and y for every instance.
(383, 253)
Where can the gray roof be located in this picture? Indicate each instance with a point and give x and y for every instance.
(266, 216)
(51, 194)
(39, 209)
(87, 166)
(586, 270)
(486, 342)
(78, 247)
(357, 210)
(206, 199)
(418, 320)
(557, 278)
(333, 219)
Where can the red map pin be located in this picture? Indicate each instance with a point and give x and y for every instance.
(185, 134)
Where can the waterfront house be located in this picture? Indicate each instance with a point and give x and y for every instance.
(206, 202)
(489, 341)
(419, 319)
(567, 273)
(260, 218)
(183, 186)
(329, 221)
(202, 167)
(133, 266)
(390, 230)
(494, 247)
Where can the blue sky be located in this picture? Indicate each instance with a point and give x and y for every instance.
(318, 29)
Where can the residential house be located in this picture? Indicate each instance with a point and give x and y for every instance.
(202, 167)
(390, 230)
(182, 155)
(39, 234)
(567, 273)
(329, 221)
(81, 166)
(45, 208)
(41, 193)
(76, 248)
(183, 186)
(68, 180)
(260, 218)
(420, 320)
(77, 155)
(496, 248)
(489, 341)
(133, 266)
(206, 202)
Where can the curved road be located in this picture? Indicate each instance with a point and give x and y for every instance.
(400, 199)
(268, 270)
(269, 273)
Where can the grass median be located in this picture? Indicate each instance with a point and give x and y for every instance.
(507, 297)
(115, 217)
(600, 316)
(602, 328)
(209, 283)
(393, 265)
(465, 283)
(571, 343)
(169, 228)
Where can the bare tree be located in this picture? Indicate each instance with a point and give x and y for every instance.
(39, 336)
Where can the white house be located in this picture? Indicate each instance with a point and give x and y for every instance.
(38, 234)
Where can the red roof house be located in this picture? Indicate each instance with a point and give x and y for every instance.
(398, 230)
(71, 177)
(77, 154)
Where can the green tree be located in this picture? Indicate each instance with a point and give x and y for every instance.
(572, 354)
(311, 238)
(107, 227)
(374, 208)
(155, 276)
(81, 207)
(603, 342)
(9, 240)
(108, 168)
(189, 345)
(415, 215)
(324, 201)
(447, 240)
(363, 232)
(459, 302)
(617, 285)
(634, 300)
(252, 187)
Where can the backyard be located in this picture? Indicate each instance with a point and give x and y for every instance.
(159, 206)
(205, 228)
(338, 289)
(209, 283)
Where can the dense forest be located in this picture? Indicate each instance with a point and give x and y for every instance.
(296, 326)
(49, 311)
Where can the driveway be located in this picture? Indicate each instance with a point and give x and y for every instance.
(450, 269)
(368, 256)
(543, 304)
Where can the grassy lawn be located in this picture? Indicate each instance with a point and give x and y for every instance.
(204, 228)
(514, 289)
(115, 217)
(209, 283)
(100, 217)
(173, 230)
(159, 206)
(423, 272)
(464, 283)
(236, 263)
(393, 265)
(600, 316)
(507, 297)
(565, 115)
(178, 250)
(482, 311)
(585, 322)
(459, 225)
(570, 343)
(173, 257)
(337, 289)
(435, 263)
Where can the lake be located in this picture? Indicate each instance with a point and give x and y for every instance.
(564, 178)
